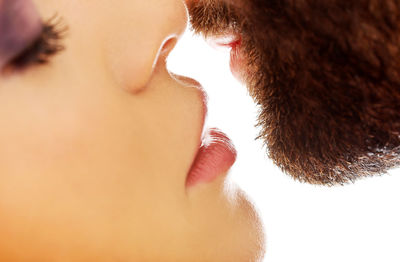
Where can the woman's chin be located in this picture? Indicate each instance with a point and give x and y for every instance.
(221, 209)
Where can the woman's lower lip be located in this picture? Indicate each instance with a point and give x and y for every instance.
(214, 158)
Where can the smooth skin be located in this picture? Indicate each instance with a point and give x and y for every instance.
(97, 144)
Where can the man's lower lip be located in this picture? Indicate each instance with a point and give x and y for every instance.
(236, 62)
(214, 158)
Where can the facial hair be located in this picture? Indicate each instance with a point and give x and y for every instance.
(326, 77)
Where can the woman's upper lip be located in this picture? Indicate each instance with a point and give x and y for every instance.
(203, 98)
(204, 108)
(214, 152)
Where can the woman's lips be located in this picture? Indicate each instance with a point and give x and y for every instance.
(214, 158)
(216, 153)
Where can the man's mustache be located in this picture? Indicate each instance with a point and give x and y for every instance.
(326, 77)
(212, 17)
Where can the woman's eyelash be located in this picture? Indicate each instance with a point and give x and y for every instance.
(47, 44)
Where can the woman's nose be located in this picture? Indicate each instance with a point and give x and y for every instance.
(167, 46)
(175, 23)
(149, 38)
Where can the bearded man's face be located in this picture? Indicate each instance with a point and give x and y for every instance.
(326, 75)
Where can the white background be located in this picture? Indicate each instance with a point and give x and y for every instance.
(357, 222)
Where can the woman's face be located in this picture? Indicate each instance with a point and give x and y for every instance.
(96, 146)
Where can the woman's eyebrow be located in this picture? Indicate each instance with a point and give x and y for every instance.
(20, 24)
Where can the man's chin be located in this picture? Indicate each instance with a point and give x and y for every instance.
(328, 91)
(325, 152)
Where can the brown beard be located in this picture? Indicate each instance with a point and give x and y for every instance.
(326, 77)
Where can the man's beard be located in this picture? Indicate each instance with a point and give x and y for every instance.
(326, 76)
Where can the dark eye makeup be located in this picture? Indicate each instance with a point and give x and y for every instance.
(46, 44)
(25, 39)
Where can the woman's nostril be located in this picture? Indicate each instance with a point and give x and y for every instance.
(168, 45)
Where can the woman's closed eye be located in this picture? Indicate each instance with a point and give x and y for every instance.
(46, 44)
